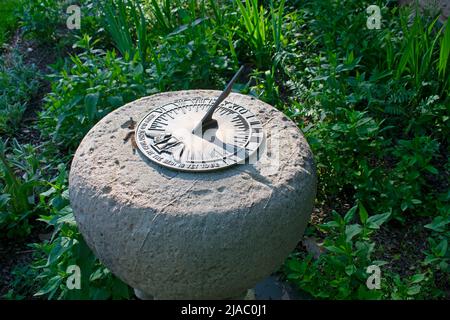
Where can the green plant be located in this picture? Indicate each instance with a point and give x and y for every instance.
(419, 51)
(122, 19)
(164, 18)
(65, 248)
(438, 255)
(23, 283)
(19, 83)
(403, 186)
(349, 140)
(19, 181)
(45, 21)
(375, 116)
(96, 83)
(41, 18)
(9, 19)
(266, 88)
(341, 272)
(415, 286)
(414, 160)
(373, 105)
(262, 33)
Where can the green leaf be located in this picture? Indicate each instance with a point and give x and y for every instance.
(295, 265)
(350, 214)
(99, 293)
(444, 50)
(441, 248)
(115, 101)
(66, 217)
(138, 70)
(404, 206)
(431, 169)
(363, 215)
(413, 290)
(418, 278)
(374, 222)
(350, 269)
(59, 249)
(48, 192)
(90, 105)
(438, 224)
(50, 286)
(293, 276)
(187, 26)
(330, 225)
(97, 274)
(335, 249)
(351, 231)
(120, 290)
(379, 262)
(430, 259)
(366, 294)
(444, 266)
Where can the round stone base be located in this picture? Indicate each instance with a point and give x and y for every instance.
(141, 295)
(247, 295)
(182, 235)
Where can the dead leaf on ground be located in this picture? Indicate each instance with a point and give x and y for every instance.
(313, 247)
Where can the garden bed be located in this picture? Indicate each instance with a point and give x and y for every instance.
(373, 104)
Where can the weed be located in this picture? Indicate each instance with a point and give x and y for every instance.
(19, 181)
(19, 83)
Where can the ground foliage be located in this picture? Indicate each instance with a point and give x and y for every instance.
(373, 104)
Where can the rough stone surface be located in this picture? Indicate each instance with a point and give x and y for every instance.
(178, 235)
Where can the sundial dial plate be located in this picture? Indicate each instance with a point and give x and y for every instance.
(165, 135)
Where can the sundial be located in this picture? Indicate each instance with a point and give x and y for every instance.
(200, 134)
(167, 233)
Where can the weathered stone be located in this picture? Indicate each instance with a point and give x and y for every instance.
(179, 235)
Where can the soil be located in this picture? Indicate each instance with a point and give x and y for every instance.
(16, 253)
(402, 245)
(12, 255)
(40, 56)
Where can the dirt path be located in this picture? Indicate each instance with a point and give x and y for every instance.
(40, 56)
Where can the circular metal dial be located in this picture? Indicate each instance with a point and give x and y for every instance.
(165, 135)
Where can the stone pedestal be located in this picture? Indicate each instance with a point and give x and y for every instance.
(179, 235)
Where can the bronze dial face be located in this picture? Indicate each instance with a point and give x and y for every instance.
(165, 135)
